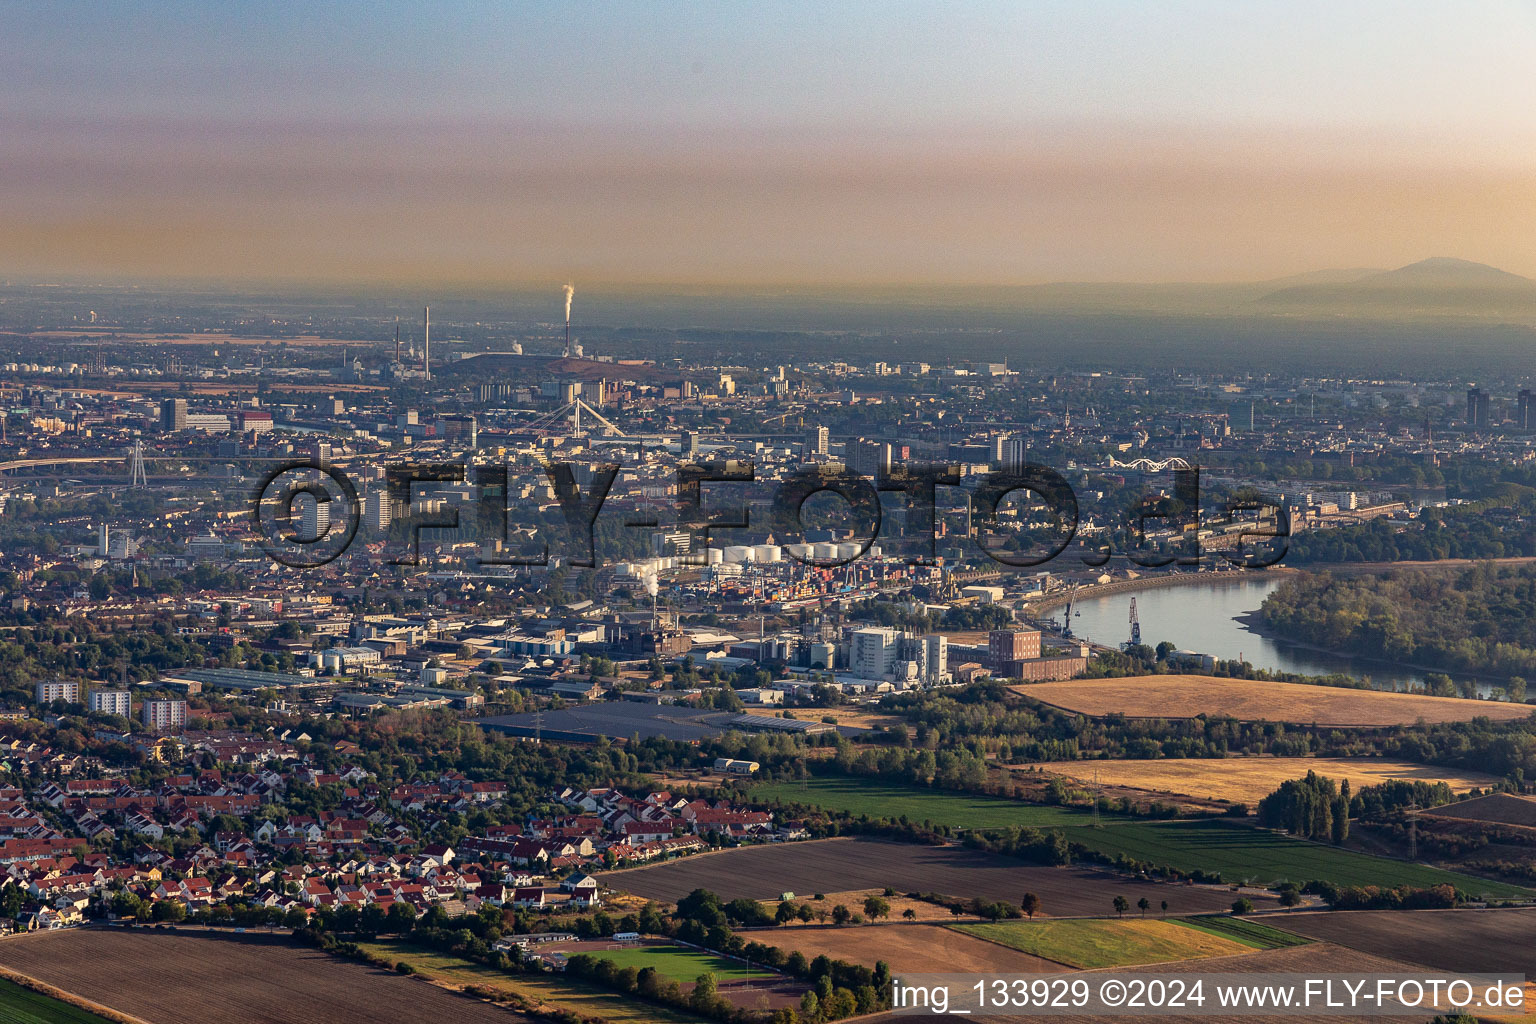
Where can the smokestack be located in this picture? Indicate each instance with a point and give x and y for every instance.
(397, 339)
(570, 291)
(426, 342)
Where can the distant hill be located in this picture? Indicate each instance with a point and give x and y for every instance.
(1439, 284)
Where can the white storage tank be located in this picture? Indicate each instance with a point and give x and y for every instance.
(798, 550)
(713, 556)
(849, 551)
(767, 553)
(824, 552)
(738, 553)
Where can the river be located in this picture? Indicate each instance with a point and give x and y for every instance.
(1203, 617)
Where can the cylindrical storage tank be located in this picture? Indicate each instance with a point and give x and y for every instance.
(849, 550)
(767, 552)
(824, 552)
(713, 556)
(799, 550)
(874, 551)
(738, 553)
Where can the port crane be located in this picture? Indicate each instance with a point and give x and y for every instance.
(1135, 626)
(1066, 618)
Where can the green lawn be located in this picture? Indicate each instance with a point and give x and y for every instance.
(1241, 929)
(1238, 852)
(1100, 942)
(678, 963)
(883, 800)
(23, 1006)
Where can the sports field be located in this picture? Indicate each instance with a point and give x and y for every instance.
(1250, 779)
(1186, 696)
(1106, 942)
(675, 963)
(23, 1006)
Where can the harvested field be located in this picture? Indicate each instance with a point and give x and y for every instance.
(1500, 808)
(1450, 940)
(854, 899)
(1316, 959)
(1186, 696)
(1249, 779)
(197, 977)
(541, 993)
(914, 948)
(1099, 942)
(835, 865)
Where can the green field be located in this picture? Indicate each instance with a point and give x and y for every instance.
(882, 800)
(677, 963)
(1241, 929)
(1099, 942)
(1246, 854)
(1238, 852)
(23, 1006)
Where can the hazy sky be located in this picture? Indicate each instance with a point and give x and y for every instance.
(526, 143)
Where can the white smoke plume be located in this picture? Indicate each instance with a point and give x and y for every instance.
(650, 585)
(570, 291)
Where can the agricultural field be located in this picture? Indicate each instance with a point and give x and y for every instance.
(196, 977)
(1499, 808)
(541, 993)
(1447, 940)
(1238, 852)
(20, 1005)
(1250, 779)
(1186, 696)
(1263, 857)
(854, 899)
(1106, 942)
(913, 948)
(1316, 958)
(1245, 930)
(837, 865)
(861, 796)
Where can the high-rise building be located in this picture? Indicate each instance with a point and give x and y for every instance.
(380, 510)
(463, 429)
(315, 519)
(173, 414)
(67, 690)
(1525, 410)
(111, 702)
(164, 715)
(869, 458)
(817, 441)
(1015, 452)
(1477, 407)
(320, 453)
(688, 443)
(873, 652)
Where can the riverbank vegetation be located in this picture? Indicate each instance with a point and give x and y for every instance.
(1474, 620)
